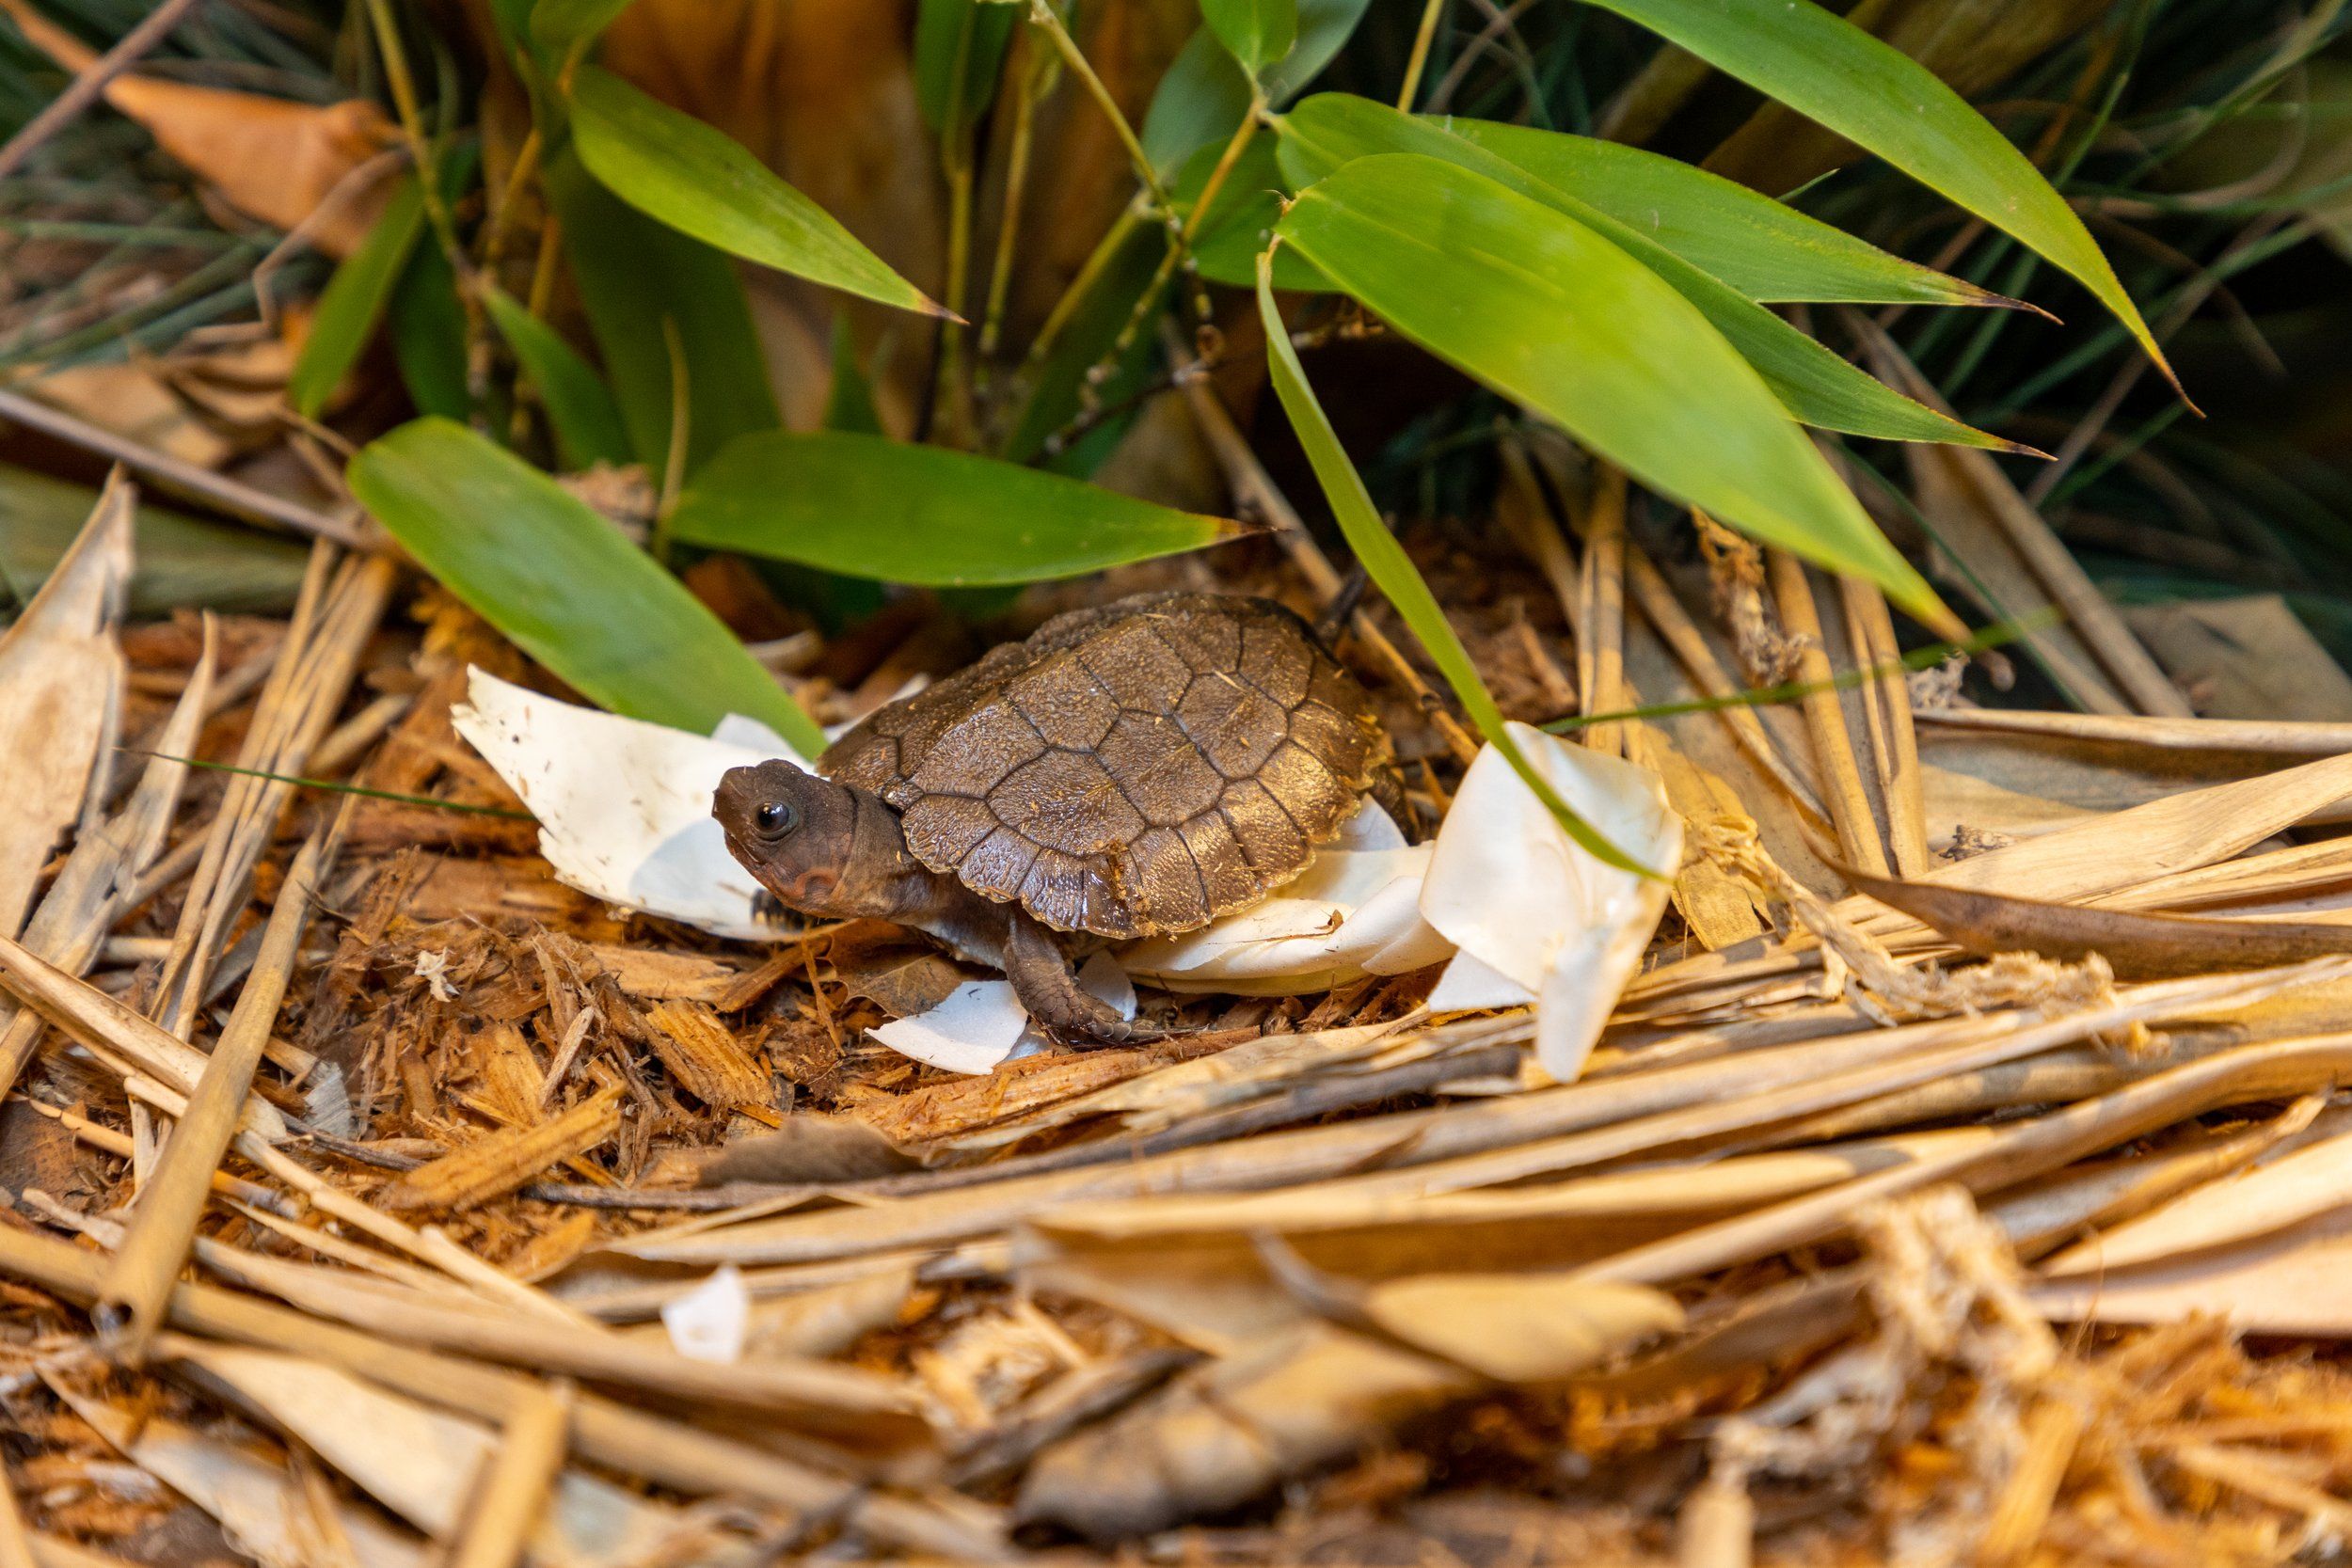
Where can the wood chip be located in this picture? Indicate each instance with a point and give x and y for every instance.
(694, 1044)
(503, 1161)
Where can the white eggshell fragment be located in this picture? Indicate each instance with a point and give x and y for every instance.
(624, 806)
(1509, 888)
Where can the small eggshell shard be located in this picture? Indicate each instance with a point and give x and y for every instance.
(624, 806)
(1509, 887)
(973, 1031)
(1346, 912)
(710, 1322)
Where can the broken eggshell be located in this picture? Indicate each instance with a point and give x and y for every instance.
(624, 806)
(1537, 916)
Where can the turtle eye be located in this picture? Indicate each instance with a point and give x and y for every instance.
(776, 817)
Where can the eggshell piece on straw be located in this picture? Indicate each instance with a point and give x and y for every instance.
(1532, 907)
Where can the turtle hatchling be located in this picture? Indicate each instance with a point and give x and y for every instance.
(1130, 771)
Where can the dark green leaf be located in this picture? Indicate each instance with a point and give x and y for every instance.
(850, 401)
(1056, 387)
(1828, 70)
(355, 300)
(1202, 95)
(633, 274)
(428, 326)
(1257, 33)
(1765, 249)
(181, 561)
(700, 182)
(1812, 383)
(959, 50)
(867, 506)
(1544, 310)
(1225, 248)
(581, 410)
(1387, 565)
(563, 585)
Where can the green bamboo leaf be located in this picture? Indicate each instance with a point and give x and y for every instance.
(178, 561)
(1880, 99)
(567, 27)
(702, 183)
(1387, 565)
(581, 410)
(849, 399)
(1765, 249)
(1814, 384)
(1202, 95)
(871, 507)
(1058, 383)
(1257, 33)
(355, 300)
(563, 585)
(634, 275)
(1544, 310)
(1225, 248)
(428, 327)
(958, 51)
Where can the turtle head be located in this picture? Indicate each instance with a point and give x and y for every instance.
(800, 836)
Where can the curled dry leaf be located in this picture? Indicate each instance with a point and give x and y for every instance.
(1229, 1431)
(818, 1149)
(2137, 946)
(61, 678)
(1519, 1328)
(270, 158)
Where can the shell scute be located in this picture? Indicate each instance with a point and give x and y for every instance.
(1131, 768)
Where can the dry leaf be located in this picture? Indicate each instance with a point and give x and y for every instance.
(419, 1462)
(1227, 1432)
(270, 158)
(60, 695)
(132, 400)
(1519, 1328)
(260, 1506)
(2248, 657)
(816, 1149)
(2137, 946)
(2285, 1192)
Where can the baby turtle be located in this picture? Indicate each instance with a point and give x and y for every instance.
(1131, 770)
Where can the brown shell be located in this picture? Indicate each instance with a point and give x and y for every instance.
(1138, 769)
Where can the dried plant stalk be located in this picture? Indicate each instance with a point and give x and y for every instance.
(164, 1222)
(497, 1165)
(1894, 745)
(673, 1453)
(695, 1045)
(1825, 716)
(521, 1471)
(295, 709)
(1600, 653)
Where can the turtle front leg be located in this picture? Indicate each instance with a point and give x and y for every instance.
(1047, 983)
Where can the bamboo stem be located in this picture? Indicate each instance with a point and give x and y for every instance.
(1825, 716)
(163, 1224)
(1894, 742)
(519, 1473)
